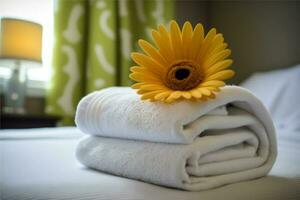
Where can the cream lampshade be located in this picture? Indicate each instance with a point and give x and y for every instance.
(20, 41)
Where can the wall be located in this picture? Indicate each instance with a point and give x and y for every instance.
(262, 35)
(193, 11)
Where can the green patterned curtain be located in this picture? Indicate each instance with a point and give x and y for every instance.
(137, 19)
(92, 46)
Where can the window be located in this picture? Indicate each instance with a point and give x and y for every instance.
(40, 11)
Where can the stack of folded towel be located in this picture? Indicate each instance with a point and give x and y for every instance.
(188, 145)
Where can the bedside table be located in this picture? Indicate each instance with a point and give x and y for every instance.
(18, 121)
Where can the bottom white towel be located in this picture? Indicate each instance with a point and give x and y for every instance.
(215, 158)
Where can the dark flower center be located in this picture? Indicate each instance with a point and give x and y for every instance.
(183, 76)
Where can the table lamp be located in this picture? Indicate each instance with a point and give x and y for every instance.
(20, 42)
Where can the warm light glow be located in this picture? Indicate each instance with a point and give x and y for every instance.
(20, 39)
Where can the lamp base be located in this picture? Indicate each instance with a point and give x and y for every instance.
(15, 90)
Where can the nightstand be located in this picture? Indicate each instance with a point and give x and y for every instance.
(17, 121)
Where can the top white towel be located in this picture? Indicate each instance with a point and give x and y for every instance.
(111, 111)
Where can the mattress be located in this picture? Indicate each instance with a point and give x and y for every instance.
(40, 164)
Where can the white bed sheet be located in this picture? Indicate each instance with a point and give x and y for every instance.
(40, 164)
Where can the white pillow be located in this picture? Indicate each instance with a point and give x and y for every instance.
(279, 90)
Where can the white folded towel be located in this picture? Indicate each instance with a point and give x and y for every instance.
(220, 141)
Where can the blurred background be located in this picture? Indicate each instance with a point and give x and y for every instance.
(85, 46)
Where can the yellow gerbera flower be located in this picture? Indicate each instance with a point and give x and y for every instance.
(185, 65)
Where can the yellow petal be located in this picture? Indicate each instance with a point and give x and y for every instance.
(219, 48)
(215, 83)
(218, 40)
(162, 96)
(141, 77)
(212, 96)
(152, 87)
(152, 52)
(168, 100)
(137, 85)
(176, 40)
(218, 67)
(162, 45)
(165, 36)
(222, 75)
(196, 93)
(216, 57)
(140, 92)
(138, 69)
(187, 33)
(216, 50)
(173, 96)
(197, 39)
(150, 95)
(148, 62)
(176, 94)
(214, 89)
(186, 95)
(144, 72)
(204, 98)
(205, 91)
(206, 43)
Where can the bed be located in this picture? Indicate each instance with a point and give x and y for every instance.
(40, 163)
